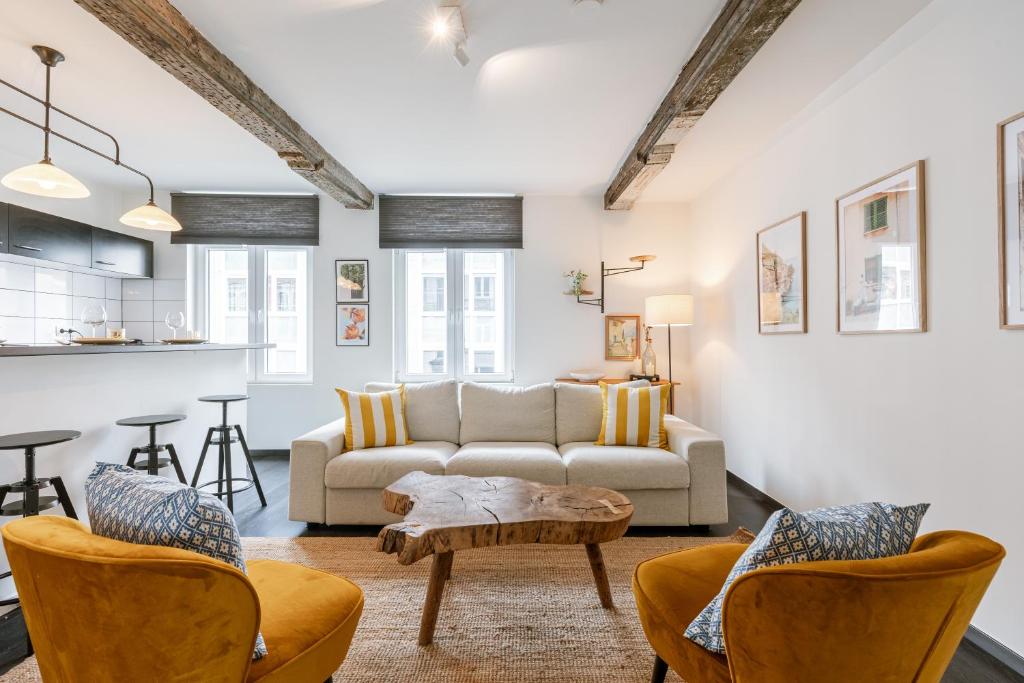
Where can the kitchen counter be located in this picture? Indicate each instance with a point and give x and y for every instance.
(14, 351)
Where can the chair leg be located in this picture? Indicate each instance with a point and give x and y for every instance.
(252, 466)
(202, 457)
(63, 497)
(177, 463)
(660, 670)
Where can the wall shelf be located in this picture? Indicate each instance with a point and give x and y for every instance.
(608, 272)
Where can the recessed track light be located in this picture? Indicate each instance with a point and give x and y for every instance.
(449, 26)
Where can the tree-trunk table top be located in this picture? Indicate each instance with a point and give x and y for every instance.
(444, 513)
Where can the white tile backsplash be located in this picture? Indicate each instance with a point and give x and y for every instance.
(169, 290)
(80, 302)
(137, 311)
(113, 309)
(18, 330)
(113, 287)
(14, 302)
(53, 306)
(88, 285)
(162, 308)
(139, 330)
(53, 281)
(46, 328)
(17, 276)
(137, 290)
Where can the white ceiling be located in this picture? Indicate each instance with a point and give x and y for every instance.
(554, 96)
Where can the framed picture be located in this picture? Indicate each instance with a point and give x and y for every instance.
(782, 276)
(621, 337)
(880, 253)
(352, 277)
(353, 325)
(1010, 169)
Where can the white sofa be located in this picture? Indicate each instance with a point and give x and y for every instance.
(543, 433)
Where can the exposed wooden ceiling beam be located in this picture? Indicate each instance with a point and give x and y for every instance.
(738, 33)
(158, 30)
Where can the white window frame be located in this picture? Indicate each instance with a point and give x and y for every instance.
(258, 318)
(456, 331)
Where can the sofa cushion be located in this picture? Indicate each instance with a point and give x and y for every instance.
(863, 531)
(431, 409)
(504, 413)
(538, 462)
(624, 468)
(579, 409)
(375, 468)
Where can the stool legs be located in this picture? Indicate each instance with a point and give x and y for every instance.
(225, 456)
(202, 456)
(177, 463)
(252, 467)
(63, 497)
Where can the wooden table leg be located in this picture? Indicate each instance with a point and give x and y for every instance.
(439, 572)
(604, 591)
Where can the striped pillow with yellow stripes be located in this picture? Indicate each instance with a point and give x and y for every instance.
(633, 416)
(374, 420)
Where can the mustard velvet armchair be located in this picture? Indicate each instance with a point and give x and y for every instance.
(103, 610)
(894, 619)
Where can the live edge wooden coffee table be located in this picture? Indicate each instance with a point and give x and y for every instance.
(448, 513)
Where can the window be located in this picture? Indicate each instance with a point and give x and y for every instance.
(258, 295)
(876, 214)
(453, 314)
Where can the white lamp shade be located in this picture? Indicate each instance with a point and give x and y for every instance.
(669, 309)
(151, 217)
(45, 180)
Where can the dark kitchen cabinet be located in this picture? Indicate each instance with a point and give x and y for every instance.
(121, 253)
(40, 235)
(5, 244)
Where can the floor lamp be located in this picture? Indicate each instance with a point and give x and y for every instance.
(668, 310)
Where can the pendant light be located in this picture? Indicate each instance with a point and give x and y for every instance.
(46, 180)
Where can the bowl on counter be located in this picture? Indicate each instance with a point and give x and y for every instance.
(586, 375)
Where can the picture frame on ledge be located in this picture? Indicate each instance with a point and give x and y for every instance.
(352, 281)
(621, 337)
(352, 325)
(1010, 171)
(782, 276)
(880, 255)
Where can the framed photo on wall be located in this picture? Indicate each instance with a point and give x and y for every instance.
(352, 278)
(621, 337)
(880, 252)
(782, 276)
(353, 325)
(1010, 169)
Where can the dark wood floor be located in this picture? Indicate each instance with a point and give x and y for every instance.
(748, 508)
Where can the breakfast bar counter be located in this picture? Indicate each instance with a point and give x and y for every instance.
(16, 351)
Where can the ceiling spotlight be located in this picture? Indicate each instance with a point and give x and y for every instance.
(449, 26)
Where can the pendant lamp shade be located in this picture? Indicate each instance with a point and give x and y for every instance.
(149, 216)
(669, 309)
(45, 180)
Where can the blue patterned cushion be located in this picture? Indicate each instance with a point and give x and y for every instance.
(129, 506)
(850, 532)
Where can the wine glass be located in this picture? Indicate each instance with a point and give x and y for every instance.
(94, 315)
(175, 321)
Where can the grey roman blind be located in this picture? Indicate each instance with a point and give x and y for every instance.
(450, 222)
(246, 219)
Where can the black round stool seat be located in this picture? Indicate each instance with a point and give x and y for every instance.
(223, 398)
(24, 440)
(150, 420)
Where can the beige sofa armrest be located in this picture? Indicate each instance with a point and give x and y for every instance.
(704, 452)
(307, 466)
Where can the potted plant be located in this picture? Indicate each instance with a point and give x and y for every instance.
(576, 280)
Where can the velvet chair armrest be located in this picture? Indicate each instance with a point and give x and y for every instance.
(704, 452)
(307, 468)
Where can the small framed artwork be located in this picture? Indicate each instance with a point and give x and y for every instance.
(880, 254)
(1010, 169)
(782, 276)
(352, 277)
(353, 325)
(621, 337)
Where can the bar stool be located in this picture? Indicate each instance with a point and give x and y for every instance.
(225, 480)
(153, 463)
(32, 503)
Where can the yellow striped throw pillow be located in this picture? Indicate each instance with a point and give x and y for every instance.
(633, 416)
(374, 420)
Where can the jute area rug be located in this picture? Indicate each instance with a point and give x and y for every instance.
(516, 614)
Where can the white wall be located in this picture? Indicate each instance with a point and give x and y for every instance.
(820, 418)
(554, 334)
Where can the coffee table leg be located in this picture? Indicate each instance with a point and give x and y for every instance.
(604, 591)
(439, 572)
